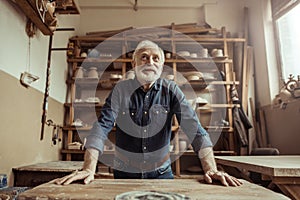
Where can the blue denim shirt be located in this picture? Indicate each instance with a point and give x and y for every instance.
(143, 120)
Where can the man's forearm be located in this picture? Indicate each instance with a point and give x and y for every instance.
(207, 159)
(90, 160)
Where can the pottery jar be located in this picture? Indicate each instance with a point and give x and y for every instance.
(93, 72)
(79, 72)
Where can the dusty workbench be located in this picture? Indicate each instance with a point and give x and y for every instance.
(36, 174)
(282, 170)
(102, 189)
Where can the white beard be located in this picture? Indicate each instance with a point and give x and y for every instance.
(145, 76)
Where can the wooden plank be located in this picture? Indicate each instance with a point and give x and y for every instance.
(57, 166)
(71, 8)
(36, 174)
(108, 33)
(274, 166)
(284, 171)
(102, 189)
(244, 99)
(291, 190)
(238, 60)
(263, 128)
(246, 77)
(33, 16)
(256, 128)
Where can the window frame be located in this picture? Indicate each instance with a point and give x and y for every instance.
(276, 15)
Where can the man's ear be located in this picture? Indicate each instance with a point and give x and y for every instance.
(133, 64)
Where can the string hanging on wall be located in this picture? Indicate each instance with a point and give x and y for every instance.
(27, 78)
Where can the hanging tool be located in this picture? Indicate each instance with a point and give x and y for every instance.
(54, 135)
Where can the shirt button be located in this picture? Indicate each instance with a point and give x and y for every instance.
(145, 130)
(123, 113)
(132, 114)
(147, 96)
(144, 162)
(145, 112)
(145, 148)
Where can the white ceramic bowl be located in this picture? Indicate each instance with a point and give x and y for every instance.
(193, 78)
(183, 53)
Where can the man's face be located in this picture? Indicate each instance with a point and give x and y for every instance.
(148, 65)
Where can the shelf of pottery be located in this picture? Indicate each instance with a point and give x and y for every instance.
(202, 66)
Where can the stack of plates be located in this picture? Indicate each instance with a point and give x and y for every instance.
(193, 76)
(183, 53)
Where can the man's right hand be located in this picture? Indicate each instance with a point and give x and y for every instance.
(85, 175)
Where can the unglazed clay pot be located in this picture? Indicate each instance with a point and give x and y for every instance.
(93, 72)
(51, 8)
(79, 72)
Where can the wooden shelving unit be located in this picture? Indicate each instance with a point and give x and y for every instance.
(77, 87)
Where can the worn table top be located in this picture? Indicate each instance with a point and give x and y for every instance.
(275, 166)
(53, 166)
(102, 189)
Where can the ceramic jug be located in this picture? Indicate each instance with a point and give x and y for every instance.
(79, 72)
(93, 72)
(51, 7)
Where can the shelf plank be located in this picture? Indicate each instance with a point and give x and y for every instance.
(129, 60)
(192, 153)
(73, 128)
(165, 39)
(98, 60)
(219, 128)
(72, 151)
(186, 153)
(210, 106)
(84, 105)
(61, 8)
(200, 60)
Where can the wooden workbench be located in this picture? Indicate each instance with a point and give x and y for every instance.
(102, 189)
(284, 171)
(36, 174)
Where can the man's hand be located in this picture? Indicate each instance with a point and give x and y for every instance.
(89, 168)
(85, 175)
(223, 177)
(207, 158)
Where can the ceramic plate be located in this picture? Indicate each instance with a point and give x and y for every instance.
(150, 195)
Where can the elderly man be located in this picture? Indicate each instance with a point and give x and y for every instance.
(142, 109)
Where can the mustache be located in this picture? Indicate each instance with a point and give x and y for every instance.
(147, 67)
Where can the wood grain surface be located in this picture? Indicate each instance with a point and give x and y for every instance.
(102, 189)
(277, 166)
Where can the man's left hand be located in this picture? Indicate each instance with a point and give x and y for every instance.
(223, 177)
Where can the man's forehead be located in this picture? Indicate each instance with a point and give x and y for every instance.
(150, 50)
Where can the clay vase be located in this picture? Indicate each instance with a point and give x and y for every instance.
(51, 8)
(79, 72)
(93, 72)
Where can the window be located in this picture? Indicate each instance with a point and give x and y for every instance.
(288, 33)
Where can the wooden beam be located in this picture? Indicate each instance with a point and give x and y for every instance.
(31, 13)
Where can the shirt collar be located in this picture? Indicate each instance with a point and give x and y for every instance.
(154, 86)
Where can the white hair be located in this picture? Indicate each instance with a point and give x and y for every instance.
(146, 44)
